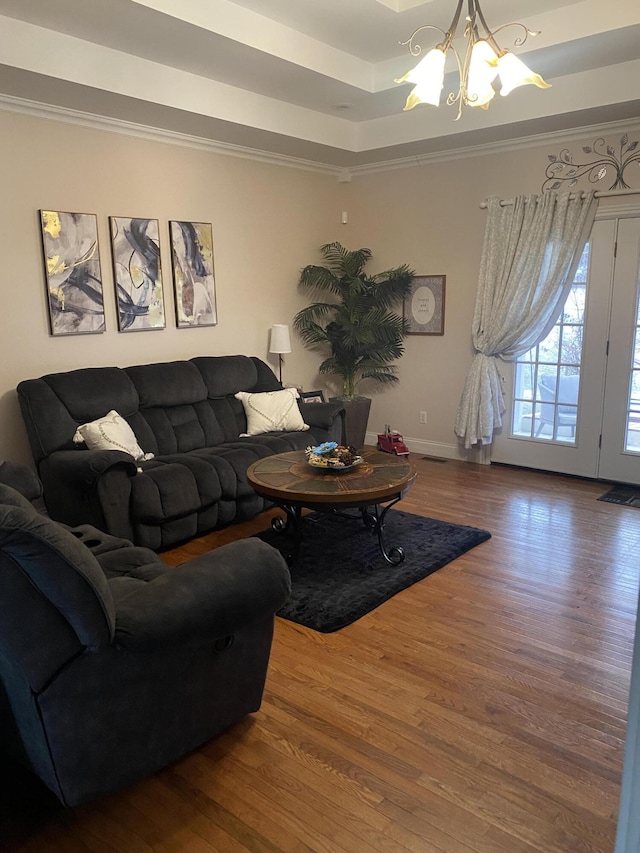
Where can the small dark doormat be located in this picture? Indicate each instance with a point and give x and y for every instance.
(622, 495)
(341, 574)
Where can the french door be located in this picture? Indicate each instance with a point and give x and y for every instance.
(573, 402)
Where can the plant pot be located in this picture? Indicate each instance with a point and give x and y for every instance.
(356, 419)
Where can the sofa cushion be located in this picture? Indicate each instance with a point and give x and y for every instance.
(89, 392)
(272, 411)
(223, 375)
(59, 567)
(168, 384)
(10, 496)
(21, 478)
(174, 415)
(177, 429)
(278, 442)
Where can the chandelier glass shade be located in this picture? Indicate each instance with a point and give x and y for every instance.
(484, 60)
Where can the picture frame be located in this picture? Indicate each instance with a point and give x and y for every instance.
(194, 284)
(423, 306)
(73, 275)
(312, 396)
(137, 273)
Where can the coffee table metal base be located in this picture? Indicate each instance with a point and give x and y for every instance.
(373, 516)
(368, 491)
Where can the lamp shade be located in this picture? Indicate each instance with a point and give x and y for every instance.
(428, 75)
(280, 341)
(513, 73)
(483, 68)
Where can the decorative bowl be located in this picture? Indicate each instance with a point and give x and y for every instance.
(333, 465)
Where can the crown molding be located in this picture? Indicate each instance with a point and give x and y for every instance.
(155, 134)
(66, 115)
(553, 138)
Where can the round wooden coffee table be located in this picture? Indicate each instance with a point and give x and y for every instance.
(293, 485)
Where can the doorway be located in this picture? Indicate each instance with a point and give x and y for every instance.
(573, 401)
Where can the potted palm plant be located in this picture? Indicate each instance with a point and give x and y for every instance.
(358, 325)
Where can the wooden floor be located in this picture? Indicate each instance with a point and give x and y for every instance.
(481, 710)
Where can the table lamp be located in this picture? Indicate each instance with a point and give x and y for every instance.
(280, 342)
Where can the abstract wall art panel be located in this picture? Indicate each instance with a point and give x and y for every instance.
(193, 278)
(72, 272)
(137, 273)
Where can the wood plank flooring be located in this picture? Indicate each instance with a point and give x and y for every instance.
(480, 711)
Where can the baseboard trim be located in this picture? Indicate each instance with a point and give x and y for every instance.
(479, 456)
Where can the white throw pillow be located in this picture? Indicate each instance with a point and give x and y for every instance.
(272, 411)
(111, 432)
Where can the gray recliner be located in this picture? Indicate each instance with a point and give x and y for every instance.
(113, 664)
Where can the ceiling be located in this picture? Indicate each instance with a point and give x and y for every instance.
(311, 81)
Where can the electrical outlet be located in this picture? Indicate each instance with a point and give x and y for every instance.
(423, 417)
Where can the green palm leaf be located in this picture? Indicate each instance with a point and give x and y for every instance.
(360, 330)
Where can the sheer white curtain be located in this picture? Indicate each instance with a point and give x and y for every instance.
(531, 249)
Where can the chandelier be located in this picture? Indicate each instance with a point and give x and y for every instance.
(484, 60)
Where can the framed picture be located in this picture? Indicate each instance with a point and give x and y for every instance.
(72, 272)
(424, 305)
(312, 396)
(194, 286)
(137, 273)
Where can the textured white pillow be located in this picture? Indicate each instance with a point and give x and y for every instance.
(272, 411)
(111, 432)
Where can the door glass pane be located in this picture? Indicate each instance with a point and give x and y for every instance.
(571, 349)
(547, 378)
(549, 348)
(632, 438)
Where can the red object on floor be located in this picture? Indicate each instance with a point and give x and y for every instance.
(392, 442)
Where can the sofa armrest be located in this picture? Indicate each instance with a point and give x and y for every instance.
(80, 487)
(321, 415)
(86, 466)
(205, 599)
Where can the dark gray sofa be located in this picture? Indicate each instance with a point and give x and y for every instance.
(113, 664)
(185, 413)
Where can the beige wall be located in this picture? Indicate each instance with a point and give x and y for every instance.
(268, 222)
(429, 216)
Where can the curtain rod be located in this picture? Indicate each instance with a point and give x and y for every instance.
(598, 194)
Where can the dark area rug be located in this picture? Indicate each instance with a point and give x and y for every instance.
(341, 574)
(627, 495)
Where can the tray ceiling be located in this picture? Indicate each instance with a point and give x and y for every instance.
(310, 80)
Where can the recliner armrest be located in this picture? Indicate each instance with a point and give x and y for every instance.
(205, 599)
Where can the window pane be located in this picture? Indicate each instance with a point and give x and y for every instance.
(522, 420)
(583, 265)
(568, 390)
(573, 311)
(549, 348)
(544, 425)
(571, 345)
(632, 440)
(524, 380)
